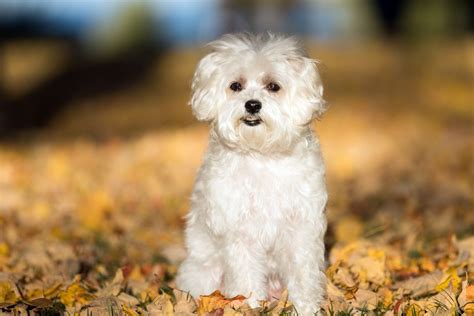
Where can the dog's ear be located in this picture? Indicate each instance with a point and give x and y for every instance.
(312, 85)
(205, 89)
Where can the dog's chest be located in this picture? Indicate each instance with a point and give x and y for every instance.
(259, 197)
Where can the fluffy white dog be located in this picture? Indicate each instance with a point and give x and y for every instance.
(258, 206)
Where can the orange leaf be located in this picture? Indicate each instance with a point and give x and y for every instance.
(209, 303)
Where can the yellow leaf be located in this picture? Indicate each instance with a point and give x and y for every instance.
(332, 269)
(75, 293)
(128, 311)
(52, 290)
(387, 297)
(8, 293)
(377, 254)
(40, 291)
(451, 278)
(209, 303)
(414, 310)
(4, 249)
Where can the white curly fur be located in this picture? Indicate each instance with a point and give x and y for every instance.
(258, 205)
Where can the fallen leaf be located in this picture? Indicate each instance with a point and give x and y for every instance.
(450, 278)
(413, 310)
(127, 299)
(8, 292)
(385, 297)
(114, 287)
(185, 303)
(209, 303)
(75, 293)
(421, 285)
(128, 311)
(369, 271)
(366, 299)
(162, 305)
(40, 302)
(102, 306)
(344, 280)
(466, 299)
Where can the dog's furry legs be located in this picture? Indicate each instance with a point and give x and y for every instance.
(245, 270)
(303, 272)
(201, 272)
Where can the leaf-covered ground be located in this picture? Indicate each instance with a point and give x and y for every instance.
(93, 225)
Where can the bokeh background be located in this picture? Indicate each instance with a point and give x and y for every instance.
(99, 149)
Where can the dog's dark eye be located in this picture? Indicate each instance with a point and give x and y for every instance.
(235, 86)
(273, 87)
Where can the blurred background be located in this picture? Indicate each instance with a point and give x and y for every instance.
(98, 143)
(81, 65)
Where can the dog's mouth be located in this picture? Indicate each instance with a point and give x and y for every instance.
(251, 120)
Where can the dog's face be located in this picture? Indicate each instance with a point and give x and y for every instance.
(258, 93)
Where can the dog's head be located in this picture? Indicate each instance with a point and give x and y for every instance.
(259, 92)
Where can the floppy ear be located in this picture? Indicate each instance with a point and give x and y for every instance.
(205, 89)
(312, 86)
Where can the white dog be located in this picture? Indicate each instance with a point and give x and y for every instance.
(258, 206)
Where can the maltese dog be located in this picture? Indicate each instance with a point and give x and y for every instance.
(257, 218)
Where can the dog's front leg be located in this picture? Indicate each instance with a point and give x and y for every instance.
(302, 270)
(201, 272)
(245, 270)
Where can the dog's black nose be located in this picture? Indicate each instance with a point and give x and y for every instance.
(253, 106)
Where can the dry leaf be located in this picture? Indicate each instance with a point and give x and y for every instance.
(466, 299)
(366, 299)
(162, 305)
(102, 306)
(214, 301)
(185, 303)
(127, 299)
(114, 287)
(369, 270)
(343, 279)
(75, 293)
(40, 302)
(420, 285)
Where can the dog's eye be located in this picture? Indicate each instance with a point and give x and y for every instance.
(273, 87)
(235, 86)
